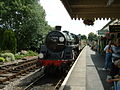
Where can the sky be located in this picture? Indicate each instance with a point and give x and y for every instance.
(56, 14)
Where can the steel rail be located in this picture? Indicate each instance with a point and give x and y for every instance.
(31, 84)
(15, 67)
(16, 74)
(17, 70)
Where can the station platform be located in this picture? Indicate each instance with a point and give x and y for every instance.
(87, 73)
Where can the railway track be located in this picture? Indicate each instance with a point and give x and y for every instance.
(30, 85)
(15, 70)
(43, 83)
(47, 82)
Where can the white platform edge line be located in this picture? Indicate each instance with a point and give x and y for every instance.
(67, 77)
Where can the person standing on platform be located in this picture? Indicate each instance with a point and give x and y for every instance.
(108, 56)
(116, 50)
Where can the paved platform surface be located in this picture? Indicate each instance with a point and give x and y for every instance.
(87, 73)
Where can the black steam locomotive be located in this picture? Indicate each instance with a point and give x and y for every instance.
(61, 48)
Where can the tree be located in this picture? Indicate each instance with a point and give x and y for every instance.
(83, 37)
(26, 18)
(9, 41)
(1, 37)
(92, 37)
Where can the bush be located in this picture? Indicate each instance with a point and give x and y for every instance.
(8, 56)
(31, 53)
(27, 53)
(2, 59)
(18, 56)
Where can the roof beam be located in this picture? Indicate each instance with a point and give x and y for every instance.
(110, 2)
(92, 6)
(88, 2)
(97, 10)
(96, 15)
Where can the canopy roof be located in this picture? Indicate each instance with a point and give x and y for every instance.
(88, 9)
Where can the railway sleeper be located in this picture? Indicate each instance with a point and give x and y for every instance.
(8, 78)
(2, 86)
(16, 71)
(6, 75)
(24, 74)
(4, 80)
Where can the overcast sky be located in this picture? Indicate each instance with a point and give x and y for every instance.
(56, 14)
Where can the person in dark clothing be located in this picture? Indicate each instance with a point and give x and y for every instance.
(115, 74)
(115, 70)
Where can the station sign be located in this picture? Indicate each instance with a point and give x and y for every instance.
(102, 32)
(114, 28)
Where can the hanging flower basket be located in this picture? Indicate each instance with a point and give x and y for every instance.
(88, 22)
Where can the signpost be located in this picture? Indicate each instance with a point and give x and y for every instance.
(114, 28)
(102, 32)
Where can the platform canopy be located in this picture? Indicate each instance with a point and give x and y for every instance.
(87, 9)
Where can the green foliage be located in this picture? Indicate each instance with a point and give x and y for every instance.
(92, 37)
(27, 19)
(9, 41)
(2, 59)
(29, 53)
(32, 27)
(17, 56)
(8, 56)
(83, 37)
(1, 37)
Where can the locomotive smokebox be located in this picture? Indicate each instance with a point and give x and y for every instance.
(58, 28)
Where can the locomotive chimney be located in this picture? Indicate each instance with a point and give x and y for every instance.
(58, 28)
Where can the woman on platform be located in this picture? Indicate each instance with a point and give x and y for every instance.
(108, 56)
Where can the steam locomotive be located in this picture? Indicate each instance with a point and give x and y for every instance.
(60, 49)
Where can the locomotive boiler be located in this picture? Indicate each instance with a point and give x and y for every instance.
(60, 49)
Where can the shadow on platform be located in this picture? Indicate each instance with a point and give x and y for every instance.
(98, 61)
